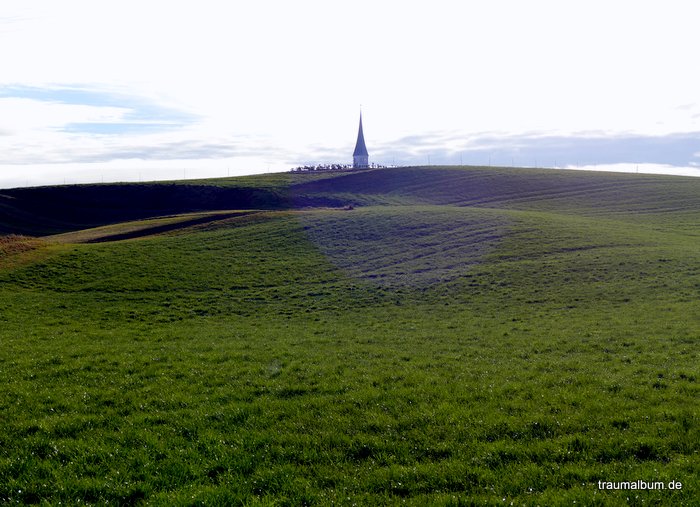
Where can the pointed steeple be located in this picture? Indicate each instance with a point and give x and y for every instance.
(360, 157)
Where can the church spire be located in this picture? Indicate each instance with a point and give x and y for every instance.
(360, 157)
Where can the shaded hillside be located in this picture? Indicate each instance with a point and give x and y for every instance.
(51, 210)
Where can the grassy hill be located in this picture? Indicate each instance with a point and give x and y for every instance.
(463, 336)
(51, 210)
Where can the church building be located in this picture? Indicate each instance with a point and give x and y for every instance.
(360, 157)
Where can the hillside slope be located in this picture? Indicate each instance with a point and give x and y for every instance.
(526, 189)
(449, 342)
(52, 210)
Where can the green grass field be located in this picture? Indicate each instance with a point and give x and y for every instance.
(462, 336)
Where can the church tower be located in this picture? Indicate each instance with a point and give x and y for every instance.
(360, 157)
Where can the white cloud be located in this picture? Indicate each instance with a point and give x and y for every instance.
(24, 116)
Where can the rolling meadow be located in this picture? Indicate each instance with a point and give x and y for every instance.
(406, 336)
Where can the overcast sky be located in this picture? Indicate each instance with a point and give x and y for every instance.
(128, 90)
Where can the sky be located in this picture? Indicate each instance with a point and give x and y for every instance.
(132, 90)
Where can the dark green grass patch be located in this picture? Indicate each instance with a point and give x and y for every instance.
(406, 246)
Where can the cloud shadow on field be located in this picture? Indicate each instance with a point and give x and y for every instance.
(394, 249)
